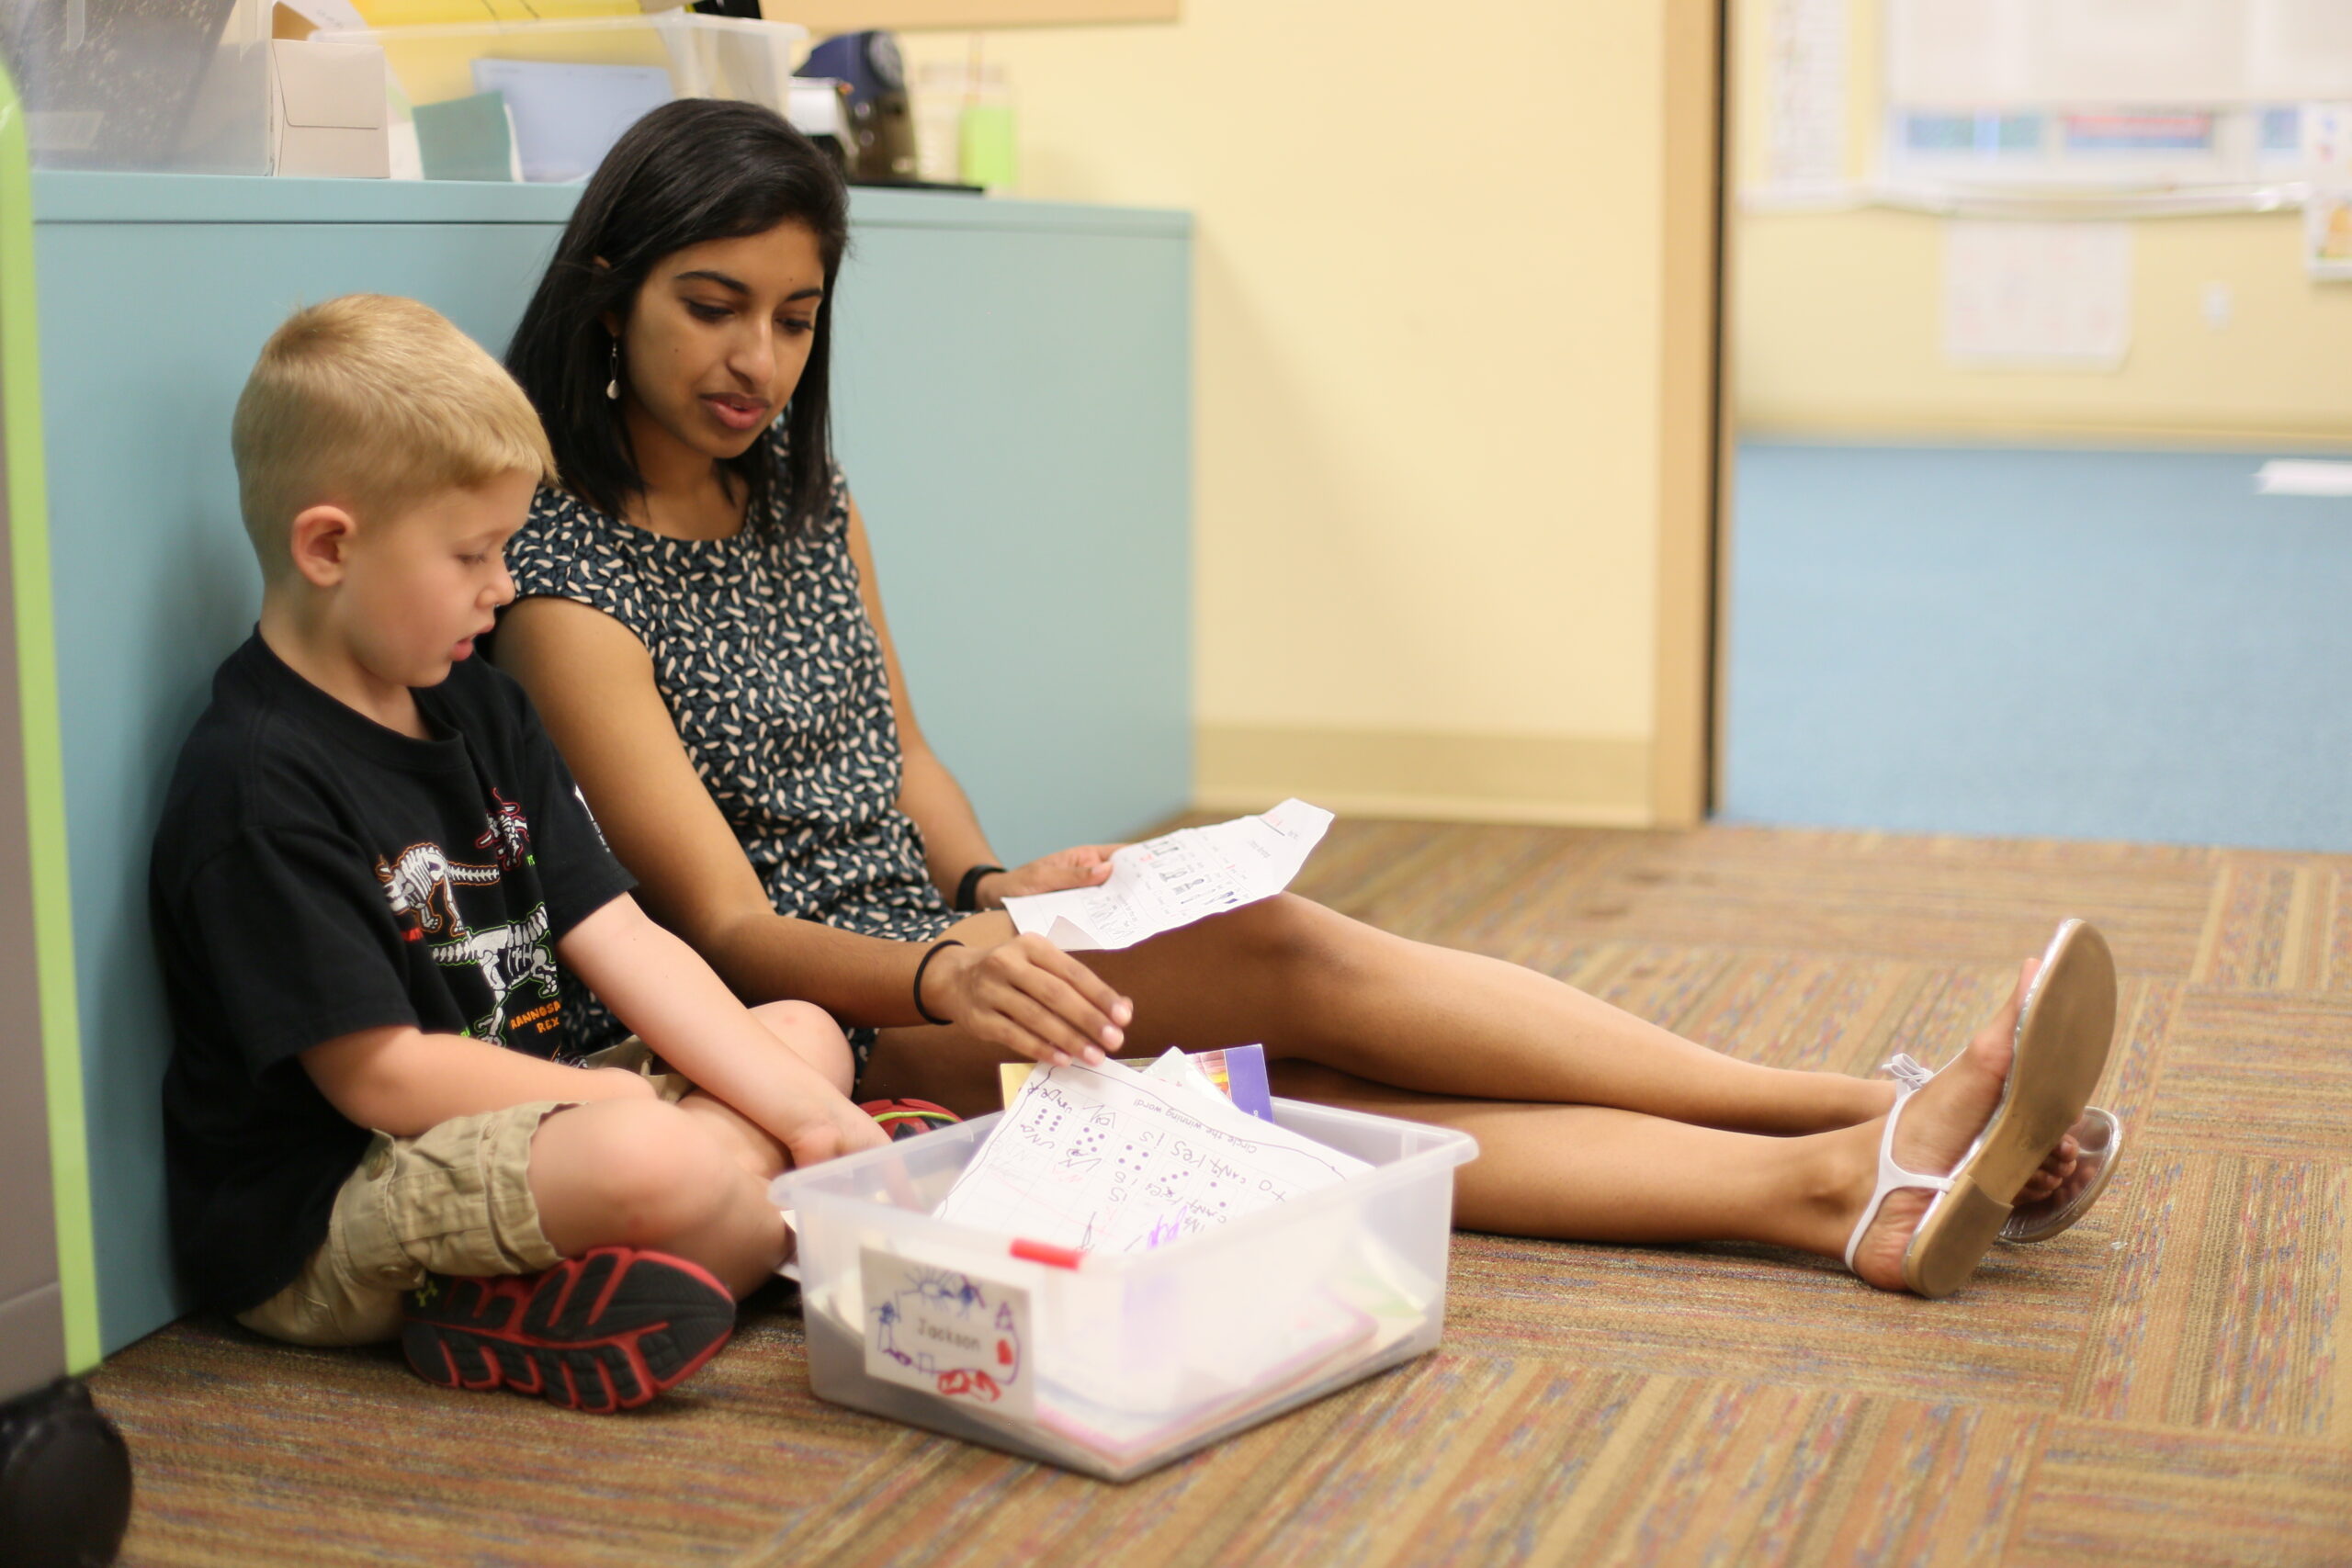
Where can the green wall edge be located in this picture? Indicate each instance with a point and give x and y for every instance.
(77, 1268)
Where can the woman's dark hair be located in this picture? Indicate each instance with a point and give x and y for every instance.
(692, 170)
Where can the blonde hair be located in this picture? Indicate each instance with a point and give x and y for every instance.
(374, 403)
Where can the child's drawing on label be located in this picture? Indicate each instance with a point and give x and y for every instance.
(945, 1332)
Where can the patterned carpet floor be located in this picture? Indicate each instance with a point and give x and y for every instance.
(2170, 1383)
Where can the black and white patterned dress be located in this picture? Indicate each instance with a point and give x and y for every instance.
(769, 665)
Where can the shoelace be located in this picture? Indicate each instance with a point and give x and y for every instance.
(1908, 1072)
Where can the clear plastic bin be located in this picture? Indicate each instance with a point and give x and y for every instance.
(1135, 1359)
(167, 85)
(706, 57)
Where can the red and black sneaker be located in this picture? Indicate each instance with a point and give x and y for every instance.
(908, 1117)
(605, 1331)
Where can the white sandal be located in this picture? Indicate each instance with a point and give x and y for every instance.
(2098, 1136)
(2064, 1032)
(1910, 1077)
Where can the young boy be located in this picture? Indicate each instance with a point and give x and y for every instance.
(371, 873)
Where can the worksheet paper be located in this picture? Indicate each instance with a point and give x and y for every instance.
(566, 117)
(1806, 103)
(1174, 880)
(2054, 295)
(1104, 1159)
(2290, 475)
(2033, 54)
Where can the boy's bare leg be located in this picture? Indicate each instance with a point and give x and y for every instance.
(690, 1179)
(1315, 986)
(640, 1173)
(807, 1033)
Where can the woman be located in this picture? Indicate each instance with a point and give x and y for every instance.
(698, 621)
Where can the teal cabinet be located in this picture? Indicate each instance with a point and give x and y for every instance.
(1012, 409)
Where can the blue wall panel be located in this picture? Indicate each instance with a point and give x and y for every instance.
(1012, 412)
(1035, 555)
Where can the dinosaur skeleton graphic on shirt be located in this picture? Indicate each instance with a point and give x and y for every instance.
(510, 957)
(509, 833)
(421, 886)
(422, 882)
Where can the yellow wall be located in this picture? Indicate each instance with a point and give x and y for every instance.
(1428, 428)
(1837, 316)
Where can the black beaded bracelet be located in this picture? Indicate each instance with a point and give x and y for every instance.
(922, 1012)
(968, 890)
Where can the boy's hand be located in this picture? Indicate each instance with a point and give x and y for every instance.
(1026, 995)
(838, 1128)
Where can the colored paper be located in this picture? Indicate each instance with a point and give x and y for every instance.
(467, 138)
(2327, 233)
(427, 13)
(1238, 1074)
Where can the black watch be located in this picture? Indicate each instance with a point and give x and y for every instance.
(967, 891)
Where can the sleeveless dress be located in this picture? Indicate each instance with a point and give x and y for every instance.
(763, 653)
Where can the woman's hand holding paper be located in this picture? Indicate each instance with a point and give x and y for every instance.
(1087, 866)
(1028, 996)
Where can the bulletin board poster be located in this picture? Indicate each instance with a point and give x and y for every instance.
(2327, 233)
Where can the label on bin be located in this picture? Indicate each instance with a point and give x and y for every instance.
(947, 1332)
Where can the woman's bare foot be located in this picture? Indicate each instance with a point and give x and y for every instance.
(1938, 1125)
(2057, 1170)
(2060, 1169)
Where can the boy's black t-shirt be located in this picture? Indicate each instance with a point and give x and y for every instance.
(316, 874)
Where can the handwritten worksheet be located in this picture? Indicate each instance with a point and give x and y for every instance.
(1176, 879)
(1104, 1159)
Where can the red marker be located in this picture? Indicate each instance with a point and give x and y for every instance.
(1040, 1252)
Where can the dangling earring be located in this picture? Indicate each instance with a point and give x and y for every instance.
(613, 387)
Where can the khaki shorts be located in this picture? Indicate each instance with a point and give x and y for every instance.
(454, 1200)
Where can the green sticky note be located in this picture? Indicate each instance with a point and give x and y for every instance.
(466, 139)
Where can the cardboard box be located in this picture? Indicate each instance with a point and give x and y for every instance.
(327, 112)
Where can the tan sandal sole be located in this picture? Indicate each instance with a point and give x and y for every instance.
(2062, 1038)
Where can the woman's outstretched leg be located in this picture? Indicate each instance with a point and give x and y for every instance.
(1313, 985)
(1439, 1022)
(1588, 1173)
(1567, 1094)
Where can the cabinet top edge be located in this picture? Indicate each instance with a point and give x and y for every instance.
(72, 196)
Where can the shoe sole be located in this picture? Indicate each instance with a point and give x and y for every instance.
(609, 1330)
(2061, 1043)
